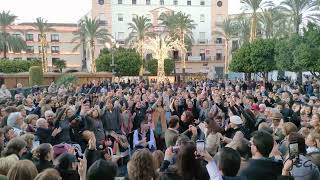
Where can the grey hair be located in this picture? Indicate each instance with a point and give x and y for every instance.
(12, 119)
(40, 122)
(48, 112)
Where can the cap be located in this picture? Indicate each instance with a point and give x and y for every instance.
(236, 120)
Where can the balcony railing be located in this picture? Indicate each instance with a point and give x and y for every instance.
(203, 41)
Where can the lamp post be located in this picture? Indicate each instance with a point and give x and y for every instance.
(112, 46)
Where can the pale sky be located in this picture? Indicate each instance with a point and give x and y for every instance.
(63, 11)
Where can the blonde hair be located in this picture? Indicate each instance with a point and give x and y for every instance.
(31, 117)
(158, 157)
(315, 135)
(141, 166)
(289, 127)
(7, 162)
(22, 170)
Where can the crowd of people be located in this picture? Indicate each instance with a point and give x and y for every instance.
(218, 130)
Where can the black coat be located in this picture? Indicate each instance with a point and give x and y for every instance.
(42, 165)
(44, 136)
(262, 169)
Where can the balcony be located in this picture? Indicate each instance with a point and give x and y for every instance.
(121, 41)
(219, 58)
(203, 41)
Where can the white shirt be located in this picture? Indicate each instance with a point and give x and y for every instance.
(151, 143)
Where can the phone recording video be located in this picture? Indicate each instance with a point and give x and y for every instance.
(200, 146)
(293, 150)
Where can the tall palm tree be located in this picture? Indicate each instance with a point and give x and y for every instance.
(140, 32)
(300, 10)
(9, 42)
(42, 27)
(243, 26)
(253, 6)
(92, 33)
(179, 26)
(229, 29)
(80, 36)
(270, 19)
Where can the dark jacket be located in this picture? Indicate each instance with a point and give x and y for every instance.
(263, 169)
(172, 174)
(111, 119)
(42, 165)
(44, 136)
(68, 174)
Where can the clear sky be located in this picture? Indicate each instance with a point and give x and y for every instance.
(63, 11)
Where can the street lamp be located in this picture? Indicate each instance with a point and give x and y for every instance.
(111, 46)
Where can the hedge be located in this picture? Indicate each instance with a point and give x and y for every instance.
(16, 66)
(35, 75)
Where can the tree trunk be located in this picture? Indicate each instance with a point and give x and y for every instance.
(253, 29)
(226, 64)
(93, 61)
(84, 57)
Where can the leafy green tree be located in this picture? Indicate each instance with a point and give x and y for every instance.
(152, 66)
(59, 63)
(16, 66)
(127, 62)
(35, 75)
(67, 79)
(94, 32)
(9, 42)
(255, 57)
(140, 32)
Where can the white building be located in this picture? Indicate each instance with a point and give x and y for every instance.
(208, 50)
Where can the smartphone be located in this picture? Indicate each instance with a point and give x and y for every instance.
(175, 149)
(200, 146)
(293, 150)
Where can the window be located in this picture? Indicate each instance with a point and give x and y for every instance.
(218, 72)
(189, 2)
(55, 49)
(17, 58)
(119, 1)
(39, 36)
(102, 22)
(29, 37)
(161, 2)
(31, 58)
(39, 49)
(201, 17)
(134, 16)
(30, 49)
(218, 40)
(54, 37)
(202, 54)
(202, 3)
(235, 45)
(175, 2)
(218, 56)
(202, 35)
(16, 35)
(120, 17)
(219, 3)
(101, 2)
(54, 60)
(134, 1)
(148, 2)
(120, 36)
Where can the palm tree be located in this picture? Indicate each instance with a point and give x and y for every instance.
(243, 26)
(300, 10)
(253, 6)
(179, 27)
(270, 19)
(80, 36)
(229, 29)
(93, 32)
(140, 32)
(42, 27)
(9, 42)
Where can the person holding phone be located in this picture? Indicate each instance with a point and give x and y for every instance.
(144, 137)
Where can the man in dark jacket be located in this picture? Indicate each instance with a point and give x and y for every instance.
(111, 117)
(261, 166)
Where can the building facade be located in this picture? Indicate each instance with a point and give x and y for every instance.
(207, 54)
(60, 44)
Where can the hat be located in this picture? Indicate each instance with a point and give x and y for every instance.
(255, 107)
(236, 120)
(276, 116)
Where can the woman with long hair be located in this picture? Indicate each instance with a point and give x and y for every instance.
(213, 136)
(159, 122)
(92, 122)
(22, 170)
(141, 166)
(44, 157)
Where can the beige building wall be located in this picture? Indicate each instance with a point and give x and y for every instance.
(60, 44)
